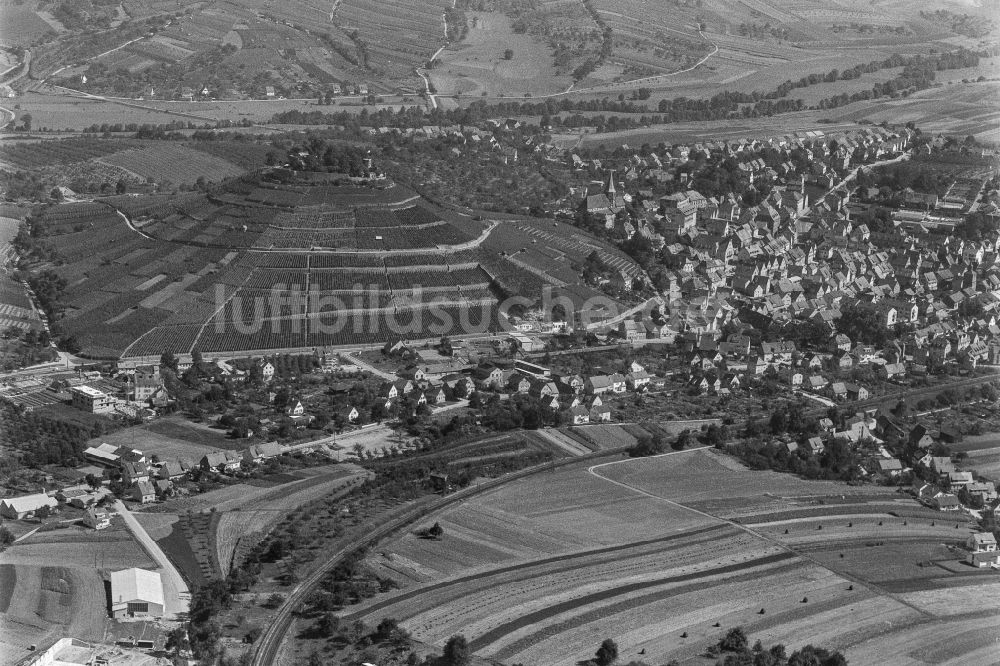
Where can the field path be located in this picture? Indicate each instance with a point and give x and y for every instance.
(745, 528)
(570, 446)
(176, 595)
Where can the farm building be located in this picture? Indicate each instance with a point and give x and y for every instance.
(136, 593)
(946, 502)
(172, 470)
(16, 508)
(222, 461)
(143, 492)
(260, 452)
(105, 454)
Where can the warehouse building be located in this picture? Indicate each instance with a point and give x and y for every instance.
(136, 593)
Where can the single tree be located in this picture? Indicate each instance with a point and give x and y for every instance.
(607, 654)
(735, 640)
(508, 54)
(177, 641)
(168, 360)
(456, 651)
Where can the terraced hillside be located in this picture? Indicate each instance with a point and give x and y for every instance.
(265, 263)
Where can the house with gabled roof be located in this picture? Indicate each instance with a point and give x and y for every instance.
(143, 492)
(983, 552)
(579, 415)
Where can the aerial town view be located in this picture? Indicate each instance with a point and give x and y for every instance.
(500, 332)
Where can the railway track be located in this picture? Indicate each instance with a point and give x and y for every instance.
(268, 645)
(266, 650)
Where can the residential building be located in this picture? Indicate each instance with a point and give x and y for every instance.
(91, 400)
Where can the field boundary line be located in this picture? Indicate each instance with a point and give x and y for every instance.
(871, 587)
(555, 559)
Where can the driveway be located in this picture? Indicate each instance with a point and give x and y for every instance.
(176, 596)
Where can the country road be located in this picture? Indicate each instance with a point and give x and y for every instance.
(176, 595)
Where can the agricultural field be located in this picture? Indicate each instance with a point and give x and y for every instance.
(695, 51)
(983, 453)
(21, 24)
(52, 585)
(60, 112)
(173, 163)
(171, 438)
(477, 66)
(43, 603)
(398, 35)
(616, 551)
(960, 109)
(149, 272)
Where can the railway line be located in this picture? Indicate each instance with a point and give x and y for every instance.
(267, 646)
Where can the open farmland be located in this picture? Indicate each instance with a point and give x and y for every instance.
(61, 112)
(696, 51)
(46, 603)
(535, 570)
(170, 439)
(57, 578)
(476, 66)
(176, 164)
(110, 549)
(960, 109)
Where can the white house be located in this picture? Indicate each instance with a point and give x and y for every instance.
(982, 548)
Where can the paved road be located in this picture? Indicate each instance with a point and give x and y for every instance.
(176, 595)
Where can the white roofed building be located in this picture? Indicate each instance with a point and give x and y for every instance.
(136, 593)
(91, 400)
(16, 508)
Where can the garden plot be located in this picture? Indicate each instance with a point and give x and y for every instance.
(240, 529)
